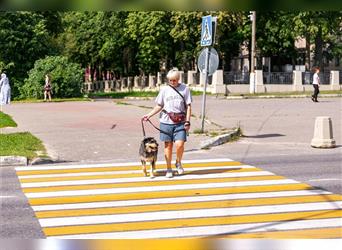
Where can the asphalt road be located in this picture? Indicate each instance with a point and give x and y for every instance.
(277, 135)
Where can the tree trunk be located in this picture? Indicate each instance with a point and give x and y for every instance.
(318, 58)
(308, 52)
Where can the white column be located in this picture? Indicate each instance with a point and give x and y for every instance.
(191, 79)
(151, 81)
(202, 80)
(159, 79)
(297, 81)
(217, 85)
(335, 80)
(136, 82)
(259, 82)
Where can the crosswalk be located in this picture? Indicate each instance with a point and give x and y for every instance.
(214, 198)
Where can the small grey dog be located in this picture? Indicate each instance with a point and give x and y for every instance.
(148, 153)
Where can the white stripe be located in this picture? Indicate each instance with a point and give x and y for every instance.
(178, 200)
(182, 214)
(124, 164)
(219, 230)
(130, 172)
(143, 179)
(157, 188)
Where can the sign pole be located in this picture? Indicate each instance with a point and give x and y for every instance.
(206, 79)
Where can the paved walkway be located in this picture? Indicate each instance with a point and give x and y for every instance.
(104, 131)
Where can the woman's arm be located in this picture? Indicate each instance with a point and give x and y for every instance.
(154, 111)
(188, 116)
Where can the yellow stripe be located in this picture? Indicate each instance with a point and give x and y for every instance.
(126, 175)
(151, 244)
(188, 206)
(321, 233)
(167, 194)
(192, 222)
(123, 168)
(149, 183)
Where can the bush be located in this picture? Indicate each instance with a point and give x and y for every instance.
(66, 78)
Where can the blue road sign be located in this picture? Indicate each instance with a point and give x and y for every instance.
(206, 34)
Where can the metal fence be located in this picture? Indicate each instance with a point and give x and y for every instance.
(278, 77)
(235, 77)
(307, 77)
(340, 76)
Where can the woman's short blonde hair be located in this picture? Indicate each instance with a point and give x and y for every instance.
(173, 74)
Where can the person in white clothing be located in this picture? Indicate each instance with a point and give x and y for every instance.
(5, 90)
(174, 104)
(315, 84)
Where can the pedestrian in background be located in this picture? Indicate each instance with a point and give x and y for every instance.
(5, 90)
(174, 104)
(315, 84)
(47, 88)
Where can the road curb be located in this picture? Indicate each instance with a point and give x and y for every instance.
(218, 140)
(279, 96)
(6, 161)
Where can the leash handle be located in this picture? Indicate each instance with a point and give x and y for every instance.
(143, 128)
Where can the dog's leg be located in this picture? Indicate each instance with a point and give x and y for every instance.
(144, 167)
(153, 167)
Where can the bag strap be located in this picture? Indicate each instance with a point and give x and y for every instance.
(185, 106)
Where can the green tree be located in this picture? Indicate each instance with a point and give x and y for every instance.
(321, 28)
(275, 38)
(66, 78)
(24, 38)
(96, 39)
(151, 32)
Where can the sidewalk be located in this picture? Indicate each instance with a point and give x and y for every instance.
(103, 131)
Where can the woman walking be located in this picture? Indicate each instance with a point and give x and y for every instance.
(315, 84)
(47, 88)
(174, 104)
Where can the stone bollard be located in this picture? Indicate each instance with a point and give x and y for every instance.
(323, 134)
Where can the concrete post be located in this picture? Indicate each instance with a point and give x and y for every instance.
(181, 74)
(145, 81)
(151, 81)
(259, 82)
(335, 80)
(159, 78)
(136, 82)
(89, 87)
(323, 134)
(130, 83)
(202, 80)
(191, 78)
(217, 85)
(107, 87)
(297, 81)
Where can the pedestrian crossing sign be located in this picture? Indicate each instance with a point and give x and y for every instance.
(206, 33)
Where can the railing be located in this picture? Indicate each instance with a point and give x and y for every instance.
(340, 76)
(278, 77)
(307, 77)
(235, 77)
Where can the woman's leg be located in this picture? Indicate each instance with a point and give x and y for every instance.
(44, 95)
(179, 150)
(316, 92)
(168, 153)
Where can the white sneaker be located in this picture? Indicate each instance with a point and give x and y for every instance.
(180, 169)
(169, 173)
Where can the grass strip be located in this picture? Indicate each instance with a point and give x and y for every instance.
(21, 144)
(6, 121)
